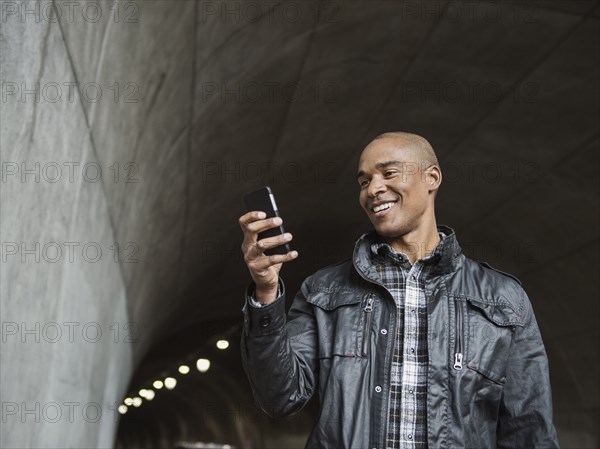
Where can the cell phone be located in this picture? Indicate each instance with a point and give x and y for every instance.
(264, 200)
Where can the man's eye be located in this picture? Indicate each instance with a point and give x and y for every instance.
(364, 183)
(389, 173)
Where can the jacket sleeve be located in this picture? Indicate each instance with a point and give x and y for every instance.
(279, 357)
(525, 416)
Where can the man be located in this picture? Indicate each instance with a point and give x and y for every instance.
(409, 344)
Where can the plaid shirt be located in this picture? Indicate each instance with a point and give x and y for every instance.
(407, 418)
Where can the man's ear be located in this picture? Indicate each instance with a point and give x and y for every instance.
(433, 177)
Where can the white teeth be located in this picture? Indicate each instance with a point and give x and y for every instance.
(382, 207)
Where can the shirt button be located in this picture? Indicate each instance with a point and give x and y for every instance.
(411, 391)
(265, 321)
(378, 389)
(413, 277)
(384, 331)
(410, 437)
(412, 350)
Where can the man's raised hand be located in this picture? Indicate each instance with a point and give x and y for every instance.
(264, 269)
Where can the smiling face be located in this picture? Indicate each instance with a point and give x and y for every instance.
(398, 178)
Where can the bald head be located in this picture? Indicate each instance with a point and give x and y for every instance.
(418, 147)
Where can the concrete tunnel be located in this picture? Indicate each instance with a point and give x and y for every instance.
(130, 131)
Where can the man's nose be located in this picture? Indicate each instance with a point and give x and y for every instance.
(376, 186)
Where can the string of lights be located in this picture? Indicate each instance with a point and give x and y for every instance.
(136, 399)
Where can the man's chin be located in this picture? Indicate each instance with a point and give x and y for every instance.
(389, 232)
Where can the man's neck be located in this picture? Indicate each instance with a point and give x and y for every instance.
(417, 244)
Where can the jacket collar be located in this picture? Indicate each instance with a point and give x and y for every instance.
(445, 262)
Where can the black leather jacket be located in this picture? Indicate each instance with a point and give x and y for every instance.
(499, 396)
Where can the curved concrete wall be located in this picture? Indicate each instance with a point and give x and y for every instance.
(94, 142)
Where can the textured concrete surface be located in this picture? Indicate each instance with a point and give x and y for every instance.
(203, 101)
(63, 369)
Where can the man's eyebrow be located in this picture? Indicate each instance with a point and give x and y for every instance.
(388, 163)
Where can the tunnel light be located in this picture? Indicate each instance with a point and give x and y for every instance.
(226, 446)
(128, 401)
(184, 369)
(157, 384)
(170, 383)
(123, 409)
(222, 344)
(137, 401)
(146, 394)
(203, 365)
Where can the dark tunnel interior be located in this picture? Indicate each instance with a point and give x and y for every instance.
(234, 95)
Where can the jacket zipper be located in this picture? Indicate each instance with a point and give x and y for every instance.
(458, 350)
(367, 328)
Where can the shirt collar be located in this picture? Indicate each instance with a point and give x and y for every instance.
(379, 247)
(445, 257)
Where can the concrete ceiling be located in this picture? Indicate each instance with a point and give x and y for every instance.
(229, 101)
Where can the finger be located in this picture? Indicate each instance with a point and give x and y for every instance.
(273, 242)
(263, 225)
(253, 250)
(268, 261)
(249, 217)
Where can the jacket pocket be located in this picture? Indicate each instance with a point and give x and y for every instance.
(490, 331)
(340, 317)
